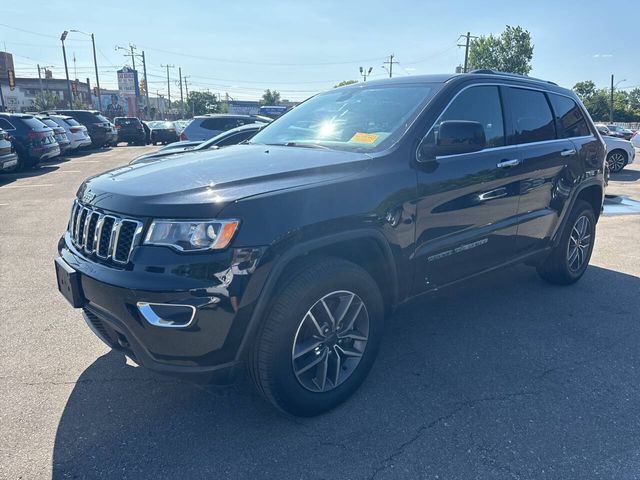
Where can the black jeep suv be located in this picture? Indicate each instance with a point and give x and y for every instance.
(285, 254)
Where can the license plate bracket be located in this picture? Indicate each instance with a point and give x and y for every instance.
(69, 283)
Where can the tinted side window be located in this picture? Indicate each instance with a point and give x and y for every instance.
(4, 124)
(213, 123)
(235, 138)
(478, 104)
(532, 118)
(571, 121)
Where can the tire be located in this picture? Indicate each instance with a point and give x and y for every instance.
(279, 375)
(617, 160)
(564, 265)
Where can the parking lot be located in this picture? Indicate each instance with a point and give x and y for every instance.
(503, 377)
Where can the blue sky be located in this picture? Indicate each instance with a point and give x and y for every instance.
(300, 48)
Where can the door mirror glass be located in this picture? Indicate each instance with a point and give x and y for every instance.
(453, 137)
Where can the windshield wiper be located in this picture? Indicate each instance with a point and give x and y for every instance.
(302, 145)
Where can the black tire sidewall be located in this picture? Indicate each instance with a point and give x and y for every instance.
(287, 392)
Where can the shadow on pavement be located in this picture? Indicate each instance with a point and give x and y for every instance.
(42, 169)
(502, 377)
(626, 175)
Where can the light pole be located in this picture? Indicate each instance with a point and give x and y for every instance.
(66, 68)
(95, 64)
(364, 73)
(611, 99)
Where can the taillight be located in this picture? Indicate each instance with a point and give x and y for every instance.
(118, 126)
(183, 136)
(75, 129)
(35, 135)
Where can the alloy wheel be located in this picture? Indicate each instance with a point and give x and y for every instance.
(616, 161)
(330, 341)
(579, 243)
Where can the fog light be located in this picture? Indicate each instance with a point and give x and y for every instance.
(167, 315)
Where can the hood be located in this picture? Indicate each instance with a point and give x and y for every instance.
(200, 184)
(153, 156)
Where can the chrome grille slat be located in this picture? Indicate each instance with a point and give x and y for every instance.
(97, 233)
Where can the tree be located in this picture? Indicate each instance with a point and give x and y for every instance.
(345, 82)
(585, 89)
(203, 102)
(270, 97)
(512, 51)
(46, 101)
(626, 105)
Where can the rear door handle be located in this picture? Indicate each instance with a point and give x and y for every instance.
(509, 163)
(568, 152)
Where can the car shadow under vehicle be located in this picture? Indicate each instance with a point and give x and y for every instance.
(504, 376)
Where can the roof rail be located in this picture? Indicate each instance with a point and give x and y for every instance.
(488, 71)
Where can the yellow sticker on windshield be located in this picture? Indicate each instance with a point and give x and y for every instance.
(364, 137)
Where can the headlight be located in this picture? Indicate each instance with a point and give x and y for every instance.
(190, 236)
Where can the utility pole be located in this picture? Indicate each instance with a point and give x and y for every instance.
(95, 64)
(390, 62)
(66, 68)
(611, 102)
(186, 87)
(466, 45)
(365, 73)
(146, 83)
(181, 97)
(40, 80)
(168, 83)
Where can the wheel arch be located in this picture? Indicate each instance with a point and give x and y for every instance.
(358, 246)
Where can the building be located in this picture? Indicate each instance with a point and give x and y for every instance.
(22, 98)
(6, 63)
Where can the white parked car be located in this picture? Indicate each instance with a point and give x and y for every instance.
(620, 153)
(77, 133)
(635, 140)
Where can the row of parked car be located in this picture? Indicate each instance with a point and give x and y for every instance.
(28, 139)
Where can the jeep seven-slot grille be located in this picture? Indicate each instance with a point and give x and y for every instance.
(109, 237)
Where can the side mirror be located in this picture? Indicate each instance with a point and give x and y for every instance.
(453, 138)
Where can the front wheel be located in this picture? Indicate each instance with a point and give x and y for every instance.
(320, 338)
(569, 259)
(616, 160)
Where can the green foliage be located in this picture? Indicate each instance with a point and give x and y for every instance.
(46, 101)
(512, 51)
(203, 102)
(626, 105)
(345, 82)
(270, 97)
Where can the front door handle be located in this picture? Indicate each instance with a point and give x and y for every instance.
(509, 163)
(568, 152)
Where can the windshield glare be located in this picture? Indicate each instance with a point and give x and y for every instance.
(360, 119)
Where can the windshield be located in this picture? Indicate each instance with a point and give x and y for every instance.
(157, 124)
(359, 119)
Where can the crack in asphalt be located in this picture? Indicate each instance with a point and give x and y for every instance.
(386, 462)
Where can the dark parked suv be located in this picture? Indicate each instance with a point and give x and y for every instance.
(286, 253)
(32, 139)
(99, 128)
(130, 130)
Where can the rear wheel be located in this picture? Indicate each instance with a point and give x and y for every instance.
(319, 339)
(569, 259)
(617, 160)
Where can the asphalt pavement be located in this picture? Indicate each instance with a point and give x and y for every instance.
(501, 377)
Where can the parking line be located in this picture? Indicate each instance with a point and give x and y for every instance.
(86, 161)
(3, 204)
(68, 171)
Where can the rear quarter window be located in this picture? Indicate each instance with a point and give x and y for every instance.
(569, 117)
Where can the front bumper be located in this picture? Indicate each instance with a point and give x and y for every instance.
(222, 287)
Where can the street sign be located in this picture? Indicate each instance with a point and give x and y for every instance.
(128, 82)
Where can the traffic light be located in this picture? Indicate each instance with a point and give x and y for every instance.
(95, 91)
(143, 87)
(11, 76)
(74, 88)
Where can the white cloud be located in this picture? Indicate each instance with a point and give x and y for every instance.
(602, 55)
